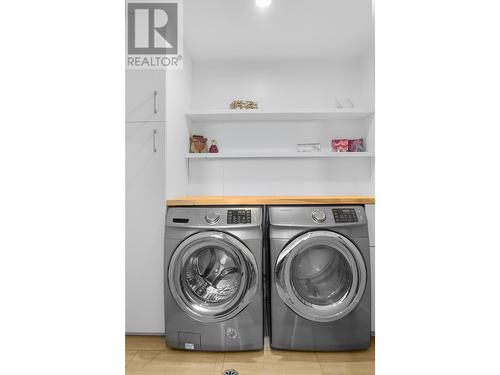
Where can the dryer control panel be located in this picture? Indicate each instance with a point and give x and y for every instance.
(318, 216)
(345, 215)
(239, 216)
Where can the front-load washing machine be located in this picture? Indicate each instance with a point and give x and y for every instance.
(320, 293)
(213, 278)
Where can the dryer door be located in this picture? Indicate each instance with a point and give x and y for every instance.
(321, 276)
(212, 276)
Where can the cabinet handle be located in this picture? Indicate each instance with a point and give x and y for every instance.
(154, 101)
(154, 140)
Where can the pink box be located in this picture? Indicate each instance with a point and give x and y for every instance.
(356, 145)
(340, 145)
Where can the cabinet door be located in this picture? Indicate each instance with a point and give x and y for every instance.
(144, 225)
(144, 95)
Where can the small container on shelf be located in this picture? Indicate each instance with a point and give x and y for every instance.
(356, 145)
(340, 145)
(308, 147)
(213, 148)
(198, 144)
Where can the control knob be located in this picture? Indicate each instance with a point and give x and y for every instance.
(212, 217)
(318, 216)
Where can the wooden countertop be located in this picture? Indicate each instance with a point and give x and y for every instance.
(267, 200)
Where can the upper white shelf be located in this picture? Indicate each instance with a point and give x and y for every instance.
(277, 115)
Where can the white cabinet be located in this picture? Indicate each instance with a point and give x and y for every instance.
(145, 95)
(145, 216)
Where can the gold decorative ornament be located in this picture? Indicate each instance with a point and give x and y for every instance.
(243, 104)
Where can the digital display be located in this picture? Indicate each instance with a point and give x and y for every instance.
(345, 215)
(239, 216)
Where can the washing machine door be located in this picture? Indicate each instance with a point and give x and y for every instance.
(321, 276)
(212, 276)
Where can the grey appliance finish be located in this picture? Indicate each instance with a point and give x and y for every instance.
(213, 278)
(320, 289)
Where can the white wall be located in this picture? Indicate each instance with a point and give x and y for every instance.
(276, 84)
(178, 99)
(280, 177)
(279, 85)
(367, 64)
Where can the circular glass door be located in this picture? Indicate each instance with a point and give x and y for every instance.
(212, 276)
(321, 276)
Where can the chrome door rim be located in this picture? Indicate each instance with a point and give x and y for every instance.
(230, 308)
(308, 310)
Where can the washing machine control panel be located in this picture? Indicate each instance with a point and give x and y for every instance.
(345, 215)
(239, 216)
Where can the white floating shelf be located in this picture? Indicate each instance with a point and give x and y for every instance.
(279, 115)
(251, 155)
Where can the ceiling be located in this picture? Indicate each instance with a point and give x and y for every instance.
(288, 29)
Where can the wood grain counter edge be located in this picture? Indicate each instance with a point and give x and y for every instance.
(267, 200)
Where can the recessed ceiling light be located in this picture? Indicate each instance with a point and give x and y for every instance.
(263, 3)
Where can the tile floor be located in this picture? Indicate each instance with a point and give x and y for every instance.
(148, 355)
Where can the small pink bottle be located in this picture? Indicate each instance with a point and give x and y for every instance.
(213, 148)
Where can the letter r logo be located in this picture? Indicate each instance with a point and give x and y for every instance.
(152, 28)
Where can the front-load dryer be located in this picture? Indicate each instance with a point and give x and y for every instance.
(213, 278)
(320, 292)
